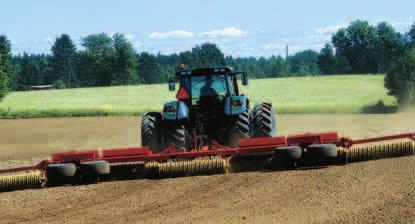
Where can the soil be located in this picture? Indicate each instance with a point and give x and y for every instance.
(381, 191)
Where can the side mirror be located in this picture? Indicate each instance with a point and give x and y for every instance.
(244, 78)
(172, 85)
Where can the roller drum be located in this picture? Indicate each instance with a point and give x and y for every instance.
(21, 180)
(185, 168)
(379, 151)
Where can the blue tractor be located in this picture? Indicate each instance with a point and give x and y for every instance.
(209, 110)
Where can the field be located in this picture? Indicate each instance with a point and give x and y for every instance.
(324, 94)
(369, 192)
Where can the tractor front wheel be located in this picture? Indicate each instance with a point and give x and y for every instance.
(176, 134)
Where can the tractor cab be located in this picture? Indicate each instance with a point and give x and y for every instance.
(207, 96)
(208, 109)
(204, 85)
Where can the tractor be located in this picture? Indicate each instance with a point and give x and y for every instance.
(210, 129)
(209, 110)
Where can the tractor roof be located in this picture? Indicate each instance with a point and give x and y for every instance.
(204, 71)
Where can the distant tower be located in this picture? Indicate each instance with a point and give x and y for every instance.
(286, 52)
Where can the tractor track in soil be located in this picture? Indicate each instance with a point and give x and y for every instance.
(380, 191)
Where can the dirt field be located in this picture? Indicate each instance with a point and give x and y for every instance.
(368, 192)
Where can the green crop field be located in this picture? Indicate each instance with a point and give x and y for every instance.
(324, 94)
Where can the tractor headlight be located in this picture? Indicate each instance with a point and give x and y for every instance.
(171, 109)
(237, 103)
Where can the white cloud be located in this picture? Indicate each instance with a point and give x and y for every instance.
(172, 34)
(226, 32)
(310, 41)
(137, 45)
(318, 37)
(272, 46)
(404, 26)
(401, 23)
(49, 39)
(329, 29)
(400, 26)
(129, 37)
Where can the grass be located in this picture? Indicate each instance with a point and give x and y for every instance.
(324, 94)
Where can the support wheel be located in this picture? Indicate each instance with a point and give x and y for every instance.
(325, 151)
(289, 152)
(263, 119)
(321, 154)
(286, 157)
(176, 134)
(150, 131)
(238, 128)
(60, 173)
(92, 171)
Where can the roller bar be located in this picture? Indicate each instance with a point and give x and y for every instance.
(410, 136)
(252, 146)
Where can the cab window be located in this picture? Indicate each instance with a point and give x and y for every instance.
(212, 85)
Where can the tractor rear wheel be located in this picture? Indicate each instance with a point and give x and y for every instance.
(176, 134)
(150, 131)
(238, 128)
(263, 119)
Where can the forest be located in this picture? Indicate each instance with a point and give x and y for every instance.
(103, 60)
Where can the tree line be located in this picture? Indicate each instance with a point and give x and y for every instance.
(105, 60)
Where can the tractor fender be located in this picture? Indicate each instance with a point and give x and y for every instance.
(235, 105)
(175, 111)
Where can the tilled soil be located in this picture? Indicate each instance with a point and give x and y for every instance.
(380, 191)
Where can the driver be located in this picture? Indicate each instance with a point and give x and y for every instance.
(208, 96)
(208, 104)
(207, 90)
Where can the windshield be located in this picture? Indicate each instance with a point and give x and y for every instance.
(212, 85)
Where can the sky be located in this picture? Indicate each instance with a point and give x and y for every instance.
(239, 27)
